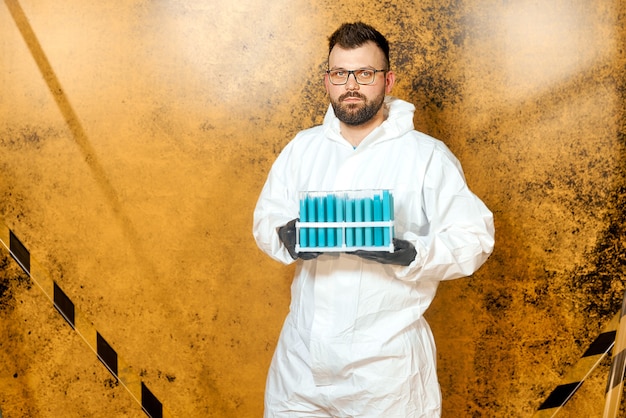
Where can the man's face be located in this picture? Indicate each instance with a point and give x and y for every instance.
(356, 104)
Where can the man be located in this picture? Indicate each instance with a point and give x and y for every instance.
(355, 343)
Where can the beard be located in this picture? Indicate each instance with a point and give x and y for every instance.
(355, 114)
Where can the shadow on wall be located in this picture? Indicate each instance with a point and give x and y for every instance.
(77, 130)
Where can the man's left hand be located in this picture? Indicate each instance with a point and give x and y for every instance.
(404, 253)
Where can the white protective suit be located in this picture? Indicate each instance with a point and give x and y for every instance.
(355, 343)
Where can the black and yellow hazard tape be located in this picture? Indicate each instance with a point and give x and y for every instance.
(116, 365)
(615, 382)
(575, 377)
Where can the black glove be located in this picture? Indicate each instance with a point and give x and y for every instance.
(287, 234)
(404, 253)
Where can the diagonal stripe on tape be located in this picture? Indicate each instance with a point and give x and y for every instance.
(616, 376)
(615, 382)
(575, 377)
(64, 305)
(615, 386)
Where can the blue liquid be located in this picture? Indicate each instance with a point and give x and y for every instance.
(358, 217)
(321, 217)
(340, 205)
(330, 217)
(350, 218)
(378, 216)
(368, 216)
(387, 215)
(303, 217)
(312, 233)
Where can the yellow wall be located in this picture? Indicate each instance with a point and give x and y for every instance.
(135, 137)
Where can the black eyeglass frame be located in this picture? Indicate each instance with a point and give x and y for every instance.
(353, 72)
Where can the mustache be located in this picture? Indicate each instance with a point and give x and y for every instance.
(351, 94)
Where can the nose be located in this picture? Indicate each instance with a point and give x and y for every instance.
(351, 84)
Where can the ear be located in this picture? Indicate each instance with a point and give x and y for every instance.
(326, 83)
(390, 80)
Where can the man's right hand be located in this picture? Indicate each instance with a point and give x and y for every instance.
(287, 235)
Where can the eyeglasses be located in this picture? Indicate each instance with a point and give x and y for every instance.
(363, 76)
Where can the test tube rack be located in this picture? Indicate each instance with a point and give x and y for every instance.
(345, 221)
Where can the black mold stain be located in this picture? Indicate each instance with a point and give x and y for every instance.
(429, 46)
(601, 290)
(12, 279)
(26, 136)
(498, 300)
(314, 96)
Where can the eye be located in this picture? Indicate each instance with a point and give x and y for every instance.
(338, 73)
(366, 74)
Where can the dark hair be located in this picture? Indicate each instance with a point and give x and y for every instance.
(354, 35)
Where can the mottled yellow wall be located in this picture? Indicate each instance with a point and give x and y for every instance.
(135, 137)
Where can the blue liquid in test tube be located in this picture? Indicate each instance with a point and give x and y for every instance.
(358, 217)
(321, 217)
(330, 217)
(368, 216)
(392, 210)
(310, 210)
(303, 217)
(378, 216)
(349, 218)
(340, 217)
(387, 216)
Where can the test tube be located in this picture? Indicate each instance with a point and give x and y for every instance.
(330, 217)
(358, 217)
(311, 217)
(303, 218)
(368, 216)
(340, 206)
(349, 218)
(378, 216)
(321, 217)
(387, 216)
(392, 211)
